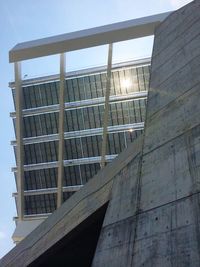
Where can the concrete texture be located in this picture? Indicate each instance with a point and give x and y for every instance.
(152, 188)
(153, 215)
(24, 228)
(71, 214)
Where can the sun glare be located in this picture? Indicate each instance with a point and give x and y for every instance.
(126, 83)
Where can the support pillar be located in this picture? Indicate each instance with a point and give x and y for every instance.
(106, 109)
(19, 137)
(61, 131)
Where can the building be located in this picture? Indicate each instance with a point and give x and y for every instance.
(83, 129)
(143, 208)
(69, 125)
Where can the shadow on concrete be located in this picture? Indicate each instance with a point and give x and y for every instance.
(78, 247)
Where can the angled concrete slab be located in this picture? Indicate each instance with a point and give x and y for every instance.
(72, 213)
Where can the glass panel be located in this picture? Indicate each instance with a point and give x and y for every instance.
(14, 98)
(81, 88)
(116, 83)
(72, 176)
(54, 92)
(99, 86)
(88, 171)
(93, 86)
(87, 87)
(91, 146)
(76, 90)
(40, 95)
(103, 82)
(67, 195)
(134, 79)
(41, 152)
(141, 79)
(39, 204)
(70, 91)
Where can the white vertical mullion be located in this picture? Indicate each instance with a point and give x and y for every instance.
(19, 137)
(61, 131)
(106, 109)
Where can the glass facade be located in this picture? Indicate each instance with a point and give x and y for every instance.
(84, 101)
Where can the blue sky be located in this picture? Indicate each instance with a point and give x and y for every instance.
(26, 20)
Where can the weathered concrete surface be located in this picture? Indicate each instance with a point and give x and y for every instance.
(24, 228)
(153, 188)
(153, 217)
(72, 213)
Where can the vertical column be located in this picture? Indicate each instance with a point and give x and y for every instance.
(61, 131)
(106, 109)
(19, 137)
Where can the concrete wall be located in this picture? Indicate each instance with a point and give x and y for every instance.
(154, 212)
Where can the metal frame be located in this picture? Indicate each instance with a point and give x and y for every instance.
(40, 216)
(81, 104)
(52, 190)
(71, 162)
(61, 131)
(83, 72)
(106, 110)
(107, 34)
(83, 133)
(19, 136)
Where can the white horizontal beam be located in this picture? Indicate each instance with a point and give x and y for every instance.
(52, 190)
(81, 104)
(111, 33)
(84, 72)
(31, 217)
(83, 133)
(70, 162)
(106, 106)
